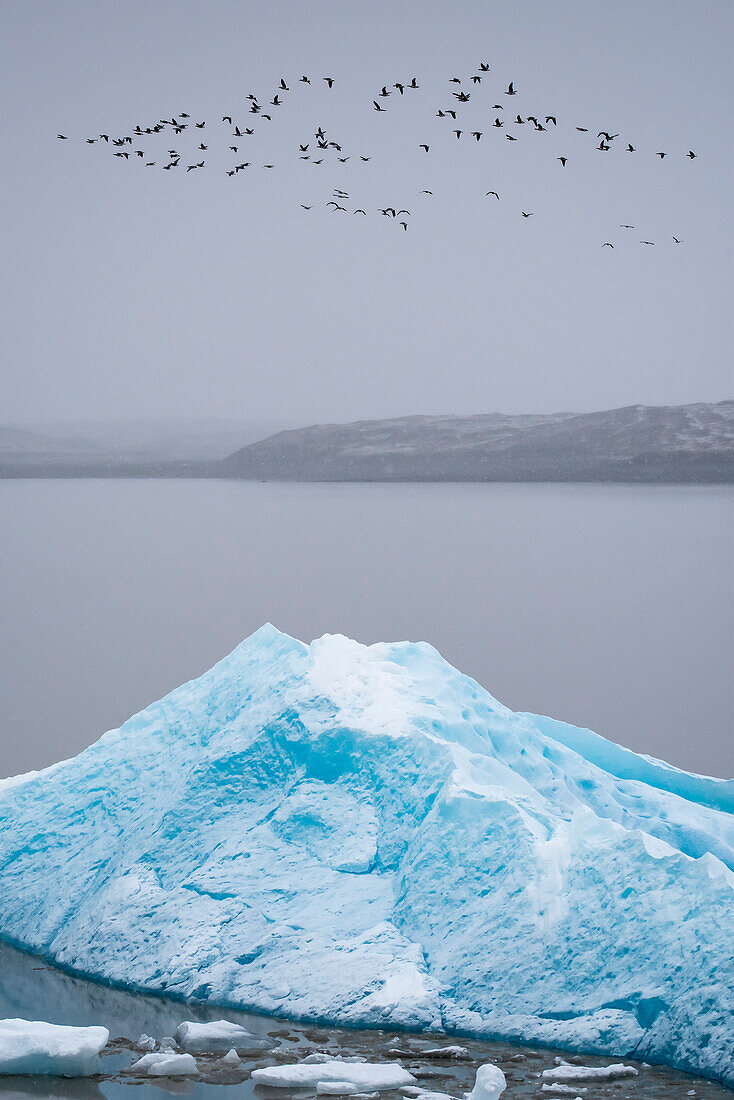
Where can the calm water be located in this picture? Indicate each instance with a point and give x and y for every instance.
(606, 606)
(26, 983)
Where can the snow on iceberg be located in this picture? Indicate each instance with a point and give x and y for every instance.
(35, 1047)
(364, 836)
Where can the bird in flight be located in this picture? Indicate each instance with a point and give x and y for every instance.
(607, 244)
(678, 241)
(426, 147)
(511, 89)
(691, 154)
(329, 80)
(526, 215)
(62, 137)
(562, 160)
(493, 193)
(377, 106)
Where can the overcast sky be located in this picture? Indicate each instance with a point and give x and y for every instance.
(130, 291)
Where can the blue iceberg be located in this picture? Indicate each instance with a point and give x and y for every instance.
(362, 835)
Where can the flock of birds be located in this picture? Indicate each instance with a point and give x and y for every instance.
(320, 147)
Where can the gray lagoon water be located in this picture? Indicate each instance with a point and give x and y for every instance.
(603, 605)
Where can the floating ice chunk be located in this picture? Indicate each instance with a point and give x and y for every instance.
(364, 1075)
(35, 1047)
(562, 1090)
(336, 1088)
(456, 1052)
(426, 1094)
(589, 1073)
(145, 1042)
(231, 1058)
(489, 1084)
(166, 1064)
(217, 1035)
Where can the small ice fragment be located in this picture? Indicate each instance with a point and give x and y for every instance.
(489, 1084)
(166, 1064)
(231, 1058)
(444, 1052)
(589, 1073)
(35, 1047)
(217, 1035)
(145, 1042)
(336, 1088)
(365, 1075)
(562, 1090)
(318, 1058)
(168, 1043)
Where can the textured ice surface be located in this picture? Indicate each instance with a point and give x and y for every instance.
(362, 835)
(33, 1046)
(364, 1075)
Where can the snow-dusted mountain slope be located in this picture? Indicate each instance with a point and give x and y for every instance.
(362, 835)
(638, 443)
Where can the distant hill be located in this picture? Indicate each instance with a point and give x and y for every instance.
(640, 443)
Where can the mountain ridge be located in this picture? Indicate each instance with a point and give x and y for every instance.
(634, 443)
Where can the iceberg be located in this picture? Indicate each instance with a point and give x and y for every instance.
(35, 1047)
(363, 836)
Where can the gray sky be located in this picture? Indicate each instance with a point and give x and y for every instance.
(129, 291)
